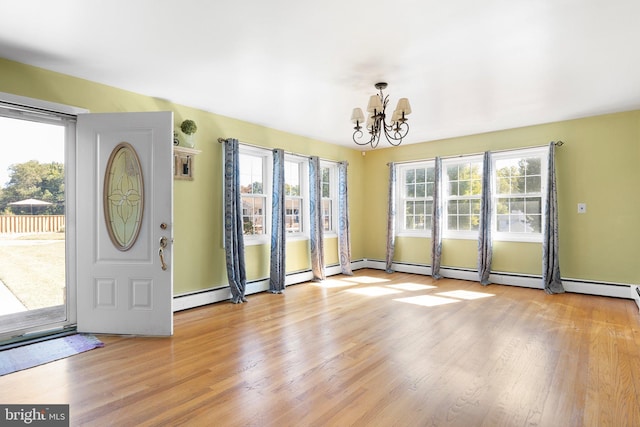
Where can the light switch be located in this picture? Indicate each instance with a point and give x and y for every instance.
(582, 208)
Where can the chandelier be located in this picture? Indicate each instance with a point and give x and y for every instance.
(376, 124)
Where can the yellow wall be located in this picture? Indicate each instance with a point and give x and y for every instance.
(598, 165)
(199, 261)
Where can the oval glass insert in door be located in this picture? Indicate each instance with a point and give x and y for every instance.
(123, 196)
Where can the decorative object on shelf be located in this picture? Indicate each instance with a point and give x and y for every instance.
(376, 124)
(183, 159)
(188, 128)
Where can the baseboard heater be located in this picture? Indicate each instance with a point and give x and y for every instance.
(222, 293)
(581, 286)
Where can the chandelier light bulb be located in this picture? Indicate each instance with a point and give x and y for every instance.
(397, 115)
(403, 106)
(357, 116)
(370, 123)
(375, 105)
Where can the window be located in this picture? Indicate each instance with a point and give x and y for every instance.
(462, 189)
(293, 196)
(253, 186)
(329, 193)
(519, 185)
(518, 189)
(415, 198)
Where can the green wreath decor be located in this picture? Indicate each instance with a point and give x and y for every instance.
(188, 127)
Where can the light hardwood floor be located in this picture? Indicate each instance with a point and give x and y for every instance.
(375, 349)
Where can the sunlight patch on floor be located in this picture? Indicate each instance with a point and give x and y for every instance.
(440, 298)
(373, 291)
(365, 279)
(427, 300)
(467, 295)
(411, 287)
(333, 283)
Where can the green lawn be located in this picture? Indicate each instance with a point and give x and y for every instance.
(33, 268)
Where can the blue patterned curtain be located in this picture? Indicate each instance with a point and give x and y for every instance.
(278, 233)
(436, 221)
(485, 245)
(391, 217)
(551, 278)
(344, 242)
(233, 232)
(315, 212)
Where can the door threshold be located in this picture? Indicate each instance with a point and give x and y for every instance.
(34, 337)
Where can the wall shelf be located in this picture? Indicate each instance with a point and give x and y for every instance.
(183, 160)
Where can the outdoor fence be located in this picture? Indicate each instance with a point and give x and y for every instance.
(31, 223)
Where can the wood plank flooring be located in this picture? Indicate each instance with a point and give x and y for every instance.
(375, 349)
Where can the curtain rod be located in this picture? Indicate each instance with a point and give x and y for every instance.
(556, 143)
(291, 153)
(223, 140)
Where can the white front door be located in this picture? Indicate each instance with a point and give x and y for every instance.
(124, 216)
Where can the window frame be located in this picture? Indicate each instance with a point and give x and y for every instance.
(446, 197)
(303, 180)
(36, 110)
(401, 198)
(333, 197)
(267, 169)
(513, 236)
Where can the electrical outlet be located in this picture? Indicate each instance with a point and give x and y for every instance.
(582, 208)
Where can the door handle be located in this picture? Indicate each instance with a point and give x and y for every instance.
(163, 245)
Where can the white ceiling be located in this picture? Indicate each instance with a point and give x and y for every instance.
(467, 66)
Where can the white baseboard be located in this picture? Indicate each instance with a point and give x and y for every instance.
(616, 290)
(210, 296)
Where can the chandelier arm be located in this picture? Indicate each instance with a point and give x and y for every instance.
(395, 136)
(403, 133)
(399, 131)
(359, 134)
(375, 138)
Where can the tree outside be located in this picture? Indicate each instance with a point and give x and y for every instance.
(465, 187)
(32, 266)
(519, 195)
(34, 180)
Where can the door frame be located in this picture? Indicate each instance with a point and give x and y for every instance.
(34, 105)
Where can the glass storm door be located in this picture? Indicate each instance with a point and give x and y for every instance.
(34, 294)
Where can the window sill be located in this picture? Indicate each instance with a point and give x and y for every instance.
(422, 234)
(293, 237)
(523, 238)
(461, 236)
(256, 240)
